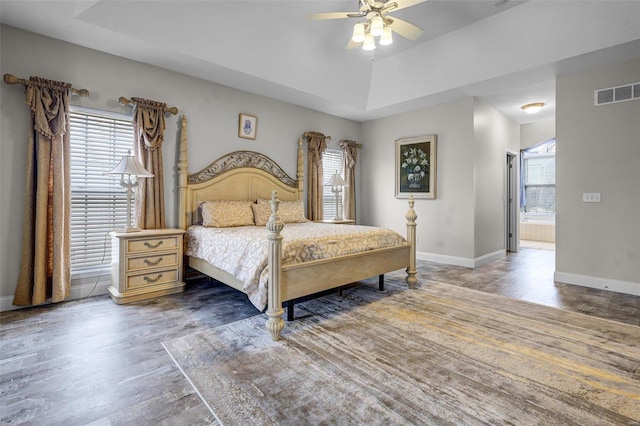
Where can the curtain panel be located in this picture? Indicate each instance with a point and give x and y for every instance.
(45, 270)
(149, 127)
(350, 151)
(316, 146)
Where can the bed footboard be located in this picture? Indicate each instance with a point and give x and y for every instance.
(292, 281)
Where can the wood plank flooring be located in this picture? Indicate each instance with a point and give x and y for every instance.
(92, 362)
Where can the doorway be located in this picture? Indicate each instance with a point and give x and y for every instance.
(512, 205)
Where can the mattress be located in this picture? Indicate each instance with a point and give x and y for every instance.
(243, 251)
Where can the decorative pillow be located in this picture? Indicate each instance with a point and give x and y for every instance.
(289, 211)
(226, 213)
(261, 213)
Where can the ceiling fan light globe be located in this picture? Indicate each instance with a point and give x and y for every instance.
(376, 26)
(386, 38)
(358, 33)
(369, 43)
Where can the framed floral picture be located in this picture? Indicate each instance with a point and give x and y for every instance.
(416, 167)
(247, 126)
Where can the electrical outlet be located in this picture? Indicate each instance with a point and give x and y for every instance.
(591, 197)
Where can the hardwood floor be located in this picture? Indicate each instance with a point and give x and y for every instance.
(94, 362)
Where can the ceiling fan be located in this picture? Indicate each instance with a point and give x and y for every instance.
(377, 22)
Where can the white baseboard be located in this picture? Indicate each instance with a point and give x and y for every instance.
(79, 290)
(467, 262)
(626, 287)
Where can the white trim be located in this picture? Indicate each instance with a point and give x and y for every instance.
(467, 262)
(626, 287)
(81, 289)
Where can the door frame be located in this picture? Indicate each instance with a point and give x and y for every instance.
(512, 239)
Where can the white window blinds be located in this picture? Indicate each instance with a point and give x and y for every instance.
(98, 203)
(331, 163)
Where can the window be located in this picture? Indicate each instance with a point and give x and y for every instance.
(98, 203)
(331, 163)
(539, 178)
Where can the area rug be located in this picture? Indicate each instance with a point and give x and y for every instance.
(440, 354)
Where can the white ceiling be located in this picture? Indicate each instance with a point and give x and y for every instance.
(505, 53)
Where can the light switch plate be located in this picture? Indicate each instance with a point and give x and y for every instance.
(591, 197)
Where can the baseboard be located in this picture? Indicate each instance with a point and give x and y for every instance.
(461, 261)
(78, 291)
(626, 287)
(489, 257)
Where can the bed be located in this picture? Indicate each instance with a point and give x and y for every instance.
(247, 175)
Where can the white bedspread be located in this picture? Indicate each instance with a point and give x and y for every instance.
(243, 251)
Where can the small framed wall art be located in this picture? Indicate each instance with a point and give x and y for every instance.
(247, 126)
(416, 167)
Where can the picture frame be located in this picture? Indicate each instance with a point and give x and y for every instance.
(247, 126)
(416, 167)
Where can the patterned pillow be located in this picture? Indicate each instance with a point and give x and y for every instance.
(261, 213)
(226, 213)
(289, 211)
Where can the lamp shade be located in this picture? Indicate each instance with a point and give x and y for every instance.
(129, 165)
(358, 33)
(376, 26)
(386, 38)
(369, 43)
(336, 180)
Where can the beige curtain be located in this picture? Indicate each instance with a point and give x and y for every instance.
(45, 264)
(316, 146)
(149, 126)
(350, 150)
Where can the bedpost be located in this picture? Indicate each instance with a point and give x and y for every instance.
(300, 174)
(275, 323)
(183, 168)
(411, 217)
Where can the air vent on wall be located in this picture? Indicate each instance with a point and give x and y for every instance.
(627, 92)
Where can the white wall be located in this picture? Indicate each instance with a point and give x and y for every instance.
(212, 111)
(598, 150)
(494, 135)
(537, 132)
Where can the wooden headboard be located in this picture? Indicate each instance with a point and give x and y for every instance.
(240, 175)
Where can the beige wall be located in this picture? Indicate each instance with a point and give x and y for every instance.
(494, 136)
(598, 150)
(212, 111)
(445, 225)
(466, 220)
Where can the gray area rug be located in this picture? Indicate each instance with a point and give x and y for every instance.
(437, 355)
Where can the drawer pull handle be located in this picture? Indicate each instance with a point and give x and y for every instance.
(152, 280)
(151, 263)
(152, 246)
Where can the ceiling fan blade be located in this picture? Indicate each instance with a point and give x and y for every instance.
(353, 45)
(334, 15)
(400, 4)
(404, 28)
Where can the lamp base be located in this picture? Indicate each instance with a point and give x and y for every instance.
(128, 229)
(337, 219)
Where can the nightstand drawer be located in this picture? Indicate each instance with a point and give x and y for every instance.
(152, 244)
(158, 261)
(151, 278)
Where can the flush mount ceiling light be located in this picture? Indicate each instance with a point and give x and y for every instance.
(377, 24)
(532, 108)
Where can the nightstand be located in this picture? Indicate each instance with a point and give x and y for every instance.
(145, 264)
(341, 221)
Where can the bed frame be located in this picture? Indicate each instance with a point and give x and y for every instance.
(248, 175)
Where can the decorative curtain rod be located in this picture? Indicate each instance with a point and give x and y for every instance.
(12, 79)
(307, 134)
(125, 101)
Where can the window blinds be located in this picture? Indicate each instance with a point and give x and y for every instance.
(331, 163)
(98, 203)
